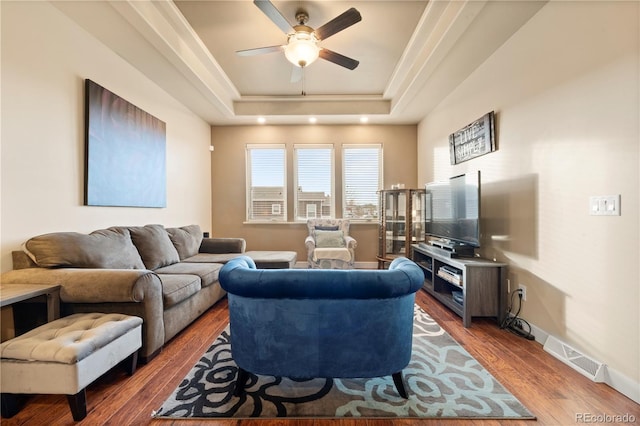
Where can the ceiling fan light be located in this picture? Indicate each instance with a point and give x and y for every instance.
(302, 49)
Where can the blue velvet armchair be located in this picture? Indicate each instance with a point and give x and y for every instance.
(308, 323)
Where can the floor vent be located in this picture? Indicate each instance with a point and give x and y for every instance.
(575, 359)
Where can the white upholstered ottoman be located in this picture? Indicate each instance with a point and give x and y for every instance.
(65, 356)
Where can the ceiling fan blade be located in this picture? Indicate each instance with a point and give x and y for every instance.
(274, 14)
(338, 59)
(338, 23)
(259, 50)
(296, 74)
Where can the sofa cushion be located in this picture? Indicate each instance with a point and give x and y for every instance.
(178, 287)
(208, 272)
(223, 245)
(211, 258)
(186, 240)
(154, 246)
(104, 248)
(326, 228)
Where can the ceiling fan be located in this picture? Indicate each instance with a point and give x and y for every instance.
(303, 42)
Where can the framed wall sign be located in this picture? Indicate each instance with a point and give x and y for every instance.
(473, 140)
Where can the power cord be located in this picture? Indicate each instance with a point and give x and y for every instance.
(513, 323)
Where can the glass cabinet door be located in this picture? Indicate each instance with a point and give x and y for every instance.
(401, 221)
(417, 215)
(395, 215)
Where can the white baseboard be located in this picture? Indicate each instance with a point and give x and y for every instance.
(613, 378)
(623, 384)
(540, 335)
(366, 265)
(357, 265)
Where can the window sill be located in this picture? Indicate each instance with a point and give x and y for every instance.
(273, 222)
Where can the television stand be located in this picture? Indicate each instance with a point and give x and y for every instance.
(453, 249)
(473, 287)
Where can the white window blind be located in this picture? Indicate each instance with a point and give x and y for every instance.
(266, 183)
(314, 182)
(362, 179)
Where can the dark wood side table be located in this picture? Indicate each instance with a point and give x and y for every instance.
(14, 293)
(384, 262)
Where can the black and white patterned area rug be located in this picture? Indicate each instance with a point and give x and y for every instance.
(443, 381)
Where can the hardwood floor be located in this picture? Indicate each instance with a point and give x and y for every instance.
(552, 391)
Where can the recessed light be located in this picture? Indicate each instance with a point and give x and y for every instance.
(364, 119)
(313, 120)
(262, 120)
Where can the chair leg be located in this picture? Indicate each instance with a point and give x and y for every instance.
(78, 405)
(240, 382)
(398, 380)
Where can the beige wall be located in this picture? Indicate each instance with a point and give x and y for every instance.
(566, 93)
(45, 59)
(228, 179)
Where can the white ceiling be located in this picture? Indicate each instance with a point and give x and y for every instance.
(411, 53)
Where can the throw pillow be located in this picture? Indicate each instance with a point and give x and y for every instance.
(154, 246)
(105, 248)
(329, 239)
(327, 228)
(186, 239)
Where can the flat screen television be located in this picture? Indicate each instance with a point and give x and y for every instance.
(453, 210)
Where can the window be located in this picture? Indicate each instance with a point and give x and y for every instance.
(314, 181)
(361, 180)
(266, 183)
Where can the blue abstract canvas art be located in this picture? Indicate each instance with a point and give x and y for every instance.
(125, 152)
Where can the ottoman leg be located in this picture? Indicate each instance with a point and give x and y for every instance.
(11, 404)
(131, 363)
(78, 405)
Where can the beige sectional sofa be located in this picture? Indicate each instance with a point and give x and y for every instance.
(166, 276)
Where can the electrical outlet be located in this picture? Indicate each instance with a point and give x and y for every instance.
(523, 290)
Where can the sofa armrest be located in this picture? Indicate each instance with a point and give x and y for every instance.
(80, 285)
(223, 245)
(240, 277)
(127, 291)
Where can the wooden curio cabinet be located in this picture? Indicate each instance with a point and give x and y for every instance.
(402, 213)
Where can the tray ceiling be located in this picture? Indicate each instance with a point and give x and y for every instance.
(411, 53)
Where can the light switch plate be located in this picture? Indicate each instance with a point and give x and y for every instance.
(604, 205)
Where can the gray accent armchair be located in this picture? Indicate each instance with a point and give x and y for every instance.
(329, 245)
